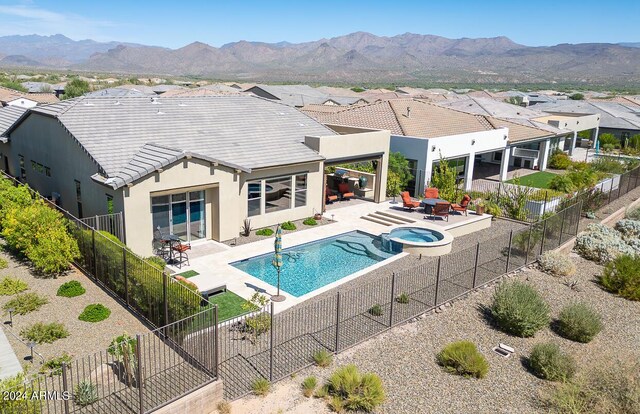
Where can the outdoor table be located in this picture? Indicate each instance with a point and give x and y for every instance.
(428, 203)
(171, 240)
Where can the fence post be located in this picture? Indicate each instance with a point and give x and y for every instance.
(435, 299)
(499, 186)
(126, 275)
(215, 340)
(509, 251)
(578, 220)
(475, 266)
(526, 258)
(619, 185)
(393, 298)
(65, 387)
(165, 303)
(544, 231)
(564, 216)
(610, 191)
(337, 322)
(93, 250)
(546, 199)
(139, 373)
(123, 237)
(271, 347)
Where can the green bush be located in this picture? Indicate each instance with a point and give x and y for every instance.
(323, 358)
(376, 310)
(578, 322)
(85, 394)
(12, 285)
(288, 225)
(261, 387)
(559, 160)
(309, 386)
(53, 366)
(463, 358)
(548, 362)
(609, 140)
(22, 403)
(518, 309)
(608, 165)
(402, 298)
(25, 303)
(123, 349)
(310, 221)
(41, 333)
(71, 289)
(357, 392)
(94, 313)
(562, 183)
(264, 232)
(3, 263)
(622, 277)
(156, 261)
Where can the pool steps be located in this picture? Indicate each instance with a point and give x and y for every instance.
(387, 219)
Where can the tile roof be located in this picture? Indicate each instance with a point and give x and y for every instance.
(8, 116)
(612, 114)
(42, 97)
(246, 132)
(7, 94)
(115, 92)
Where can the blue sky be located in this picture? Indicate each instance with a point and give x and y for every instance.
(175, 24)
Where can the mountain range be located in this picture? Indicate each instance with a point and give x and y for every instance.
(356, 57)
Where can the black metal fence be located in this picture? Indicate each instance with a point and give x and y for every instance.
(111, 223)
(137, 375)
(338, 322)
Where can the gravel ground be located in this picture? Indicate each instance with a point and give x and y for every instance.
(240, 240)
(414, 383)
(85, 338)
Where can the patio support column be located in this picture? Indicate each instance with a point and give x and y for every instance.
(595, 136)
(379, 193)
(545, 147)
(468, 172)
(573, 142)
(504, 164)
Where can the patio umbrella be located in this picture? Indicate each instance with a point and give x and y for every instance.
(277, 261)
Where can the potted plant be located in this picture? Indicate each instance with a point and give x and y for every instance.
(480, 206)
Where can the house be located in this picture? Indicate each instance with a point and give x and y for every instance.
(475, 145)
(11, 97)
(196, 167)
(301, 95)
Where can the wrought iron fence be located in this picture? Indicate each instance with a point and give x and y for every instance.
(111, 223)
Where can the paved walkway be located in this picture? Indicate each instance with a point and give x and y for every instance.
(9, 364)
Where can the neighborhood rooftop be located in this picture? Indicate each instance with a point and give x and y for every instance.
(9, 115)
(243, 132)
(612, 114)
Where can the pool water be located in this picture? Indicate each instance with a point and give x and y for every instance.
(310, 266)
(416, 235)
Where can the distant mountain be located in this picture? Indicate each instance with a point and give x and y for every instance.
(55, 47)
(630, 44)
(354, 58)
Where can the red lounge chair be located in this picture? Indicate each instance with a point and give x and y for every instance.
(343, 189)
(330, 197)
(180, 256)
(441, 210)
(462, 207)
(407, 202)
(431, 192)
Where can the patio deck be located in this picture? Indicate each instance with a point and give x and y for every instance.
(214, 268)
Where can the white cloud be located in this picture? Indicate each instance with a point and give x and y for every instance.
(25, 18)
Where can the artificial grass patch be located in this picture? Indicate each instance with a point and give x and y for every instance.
(229, 305)
(540, 179)
(188, 274)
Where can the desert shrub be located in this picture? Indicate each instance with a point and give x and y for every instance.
(95, 313)
(630, 229)
(402, 298)
(22, 403)
(548, 362)
(288, 225)
(633, 214)
(3, 263)
(53, 366)
(602, 244)
(261, 387)
(559, 160)
(71, 289)
(223, 407)
(607, 165)
(357, 392)
(12, 285)
(609, 140)
(376, 310)
(310, 221)
(518, 309)
(556, 264)
(622, 277)
(123, 349)
(492, 208)
(309, 386)
(323, 358)
(562, 183)
(463, 358)
(156, 261)
(85, 394)
(24, 303)
(611, 390)
(260, 322)
(264, 232)
(322, 392)
(579, 322)
(41, 333)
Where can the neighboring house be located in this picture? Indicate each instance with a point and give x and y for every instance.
(196, 167)
(618, 119)
(11, 97)
(423, 132)
(7, 95)
(115, 93)
(301, 95)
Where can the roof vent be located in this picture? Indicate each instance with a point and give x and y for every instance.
(117, 103)
(159, 112)
(182, 104)
(408, 111)
(154, 101)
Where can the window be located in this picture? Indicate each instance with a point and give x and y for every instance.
(109, 204)
(254, 197)
(39, 168)
(34, 165)
(301, 190)
(47, 171)
(23, 171)
(79, 198)
(181, 214)
(277, 194)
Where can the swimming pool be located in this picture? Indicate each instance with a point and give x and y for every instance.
(310, 266)
(418, 240)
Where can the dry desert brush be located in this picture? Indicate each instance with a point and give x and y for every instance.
(518, 309)
(355, 391)
(579, 322)
(463, 358)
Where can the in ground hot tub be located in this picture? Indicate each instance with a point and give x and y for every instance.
(418, 240)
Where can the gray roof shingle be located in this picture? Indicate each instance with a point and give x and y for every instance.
(8, 116)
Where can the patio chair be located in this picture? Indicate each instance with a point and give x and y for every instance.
(180, 253)
(441, 210)
(431, 192)
(345, 192)
(407, 202)
(330, 197)
(462, 207)
(160, 245)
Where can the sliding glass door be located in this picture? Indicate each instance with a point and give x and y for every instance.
(182, 215)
